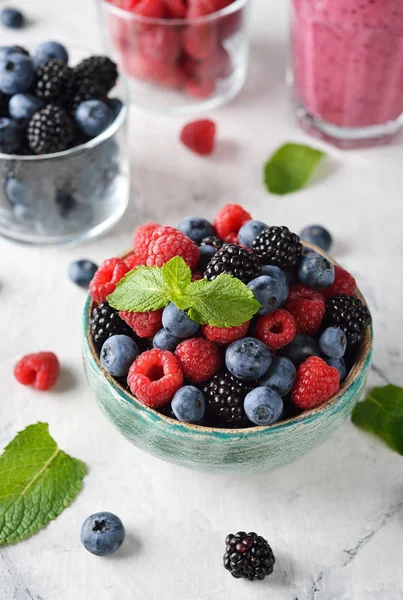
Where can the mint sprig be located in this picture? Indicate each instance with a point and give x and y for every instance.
(223, 302)
(290, 168)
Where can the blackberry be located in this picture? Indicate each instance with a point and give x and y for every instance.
(105, 322)
(350, 315)
(278, 246)
(236, 261)
(224, 395)
(53, 80)
(50, 130)
(214, 241)
(94, 77)
(248, 556)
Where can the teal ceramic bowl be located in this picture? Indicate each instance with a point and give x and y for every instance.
(223, 451)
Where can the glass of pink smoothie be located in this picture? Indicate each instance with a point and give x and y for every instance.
(347, 60)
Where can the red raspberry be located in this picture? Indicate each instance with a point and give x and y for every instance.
(225, 335)
(160, 43)
(200, 8)
(232, 238)
(142, 237)
(198, 89)
(344, 283)
(40, 370)
(199, 136)
(230, 219)
(316, 382)
(167, 242)
(200, 41)
(134, 260)
(196, 276)
(277, 329)
(144, 324)
(107, 276)
(175, 9)
(155, 377)
(199, 358)
(208, 70)
(307, 307)
(150, 8)
(143, 67)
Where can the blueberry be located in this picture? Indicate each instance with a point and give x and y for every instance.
(10, 136)
(333, 342)
(279, 275)
(281, 376)
(7, 50)
(102, 533)
(118, 354)
(177, 322)
(316, 271)
(339, 364)
(248, 358)
(93, 117)
(196, 229)
(115, 105)
(206, 254)
(188, 404)
(11, 17)
(50, 50)
(301, 348)
(249, 231)
(263, 406)
(316, 234)
(82, 271)
(17, 73)
(24, 106)
(269, 292)
(165, 340)
(17, 192)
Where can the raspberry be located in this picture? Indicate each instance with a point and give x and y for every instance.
(230, 219)
(200, 359)
(160, 43)
(144, 324)
(216, 65)
(142, 237)
(155, 377)
(232, 238)
(175, 9)
(200, 8)
(40, 370)
(107, 276)
(134, 260)
(199, 89)
(167, 242)
(200, 41)
(196, 276)
(145, 68)
(307, 307)
(277, 329)
(225, 335)
(199, 136)
(344, 284)
(316, 382)
(150, 8)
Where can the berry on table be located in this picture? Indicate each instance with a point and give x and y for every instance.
(52, 80)
(248, 358)
(280, 276)
(177, 323)
(17, 73)
(307, 306)
(249, 232)
(106, 278)
(199, 136)
(165, 340)
(277, 329)
(40, 370)
(344, 284)
(280, 377)
(225, 335)
(267, 292)
(199, 358)
(316, 271)
(50, 130)
(339, 364)
(142, 237)
(50, 50)
(263, 406)
(316, 234)
(12, 18)
(167, 242)
(301, 348)
(118, 354)
(104, 323)
(10, 136)
(225, 395)
(230, 219)
(350, 315)
(196, 229)
(102, 533)
(144, 324)
(188, 404)
(315, 383)
(333, 342)
(233, 260)
(248, 556)
(24, 106)
(81, 272)
(93, 117)
(278, 246)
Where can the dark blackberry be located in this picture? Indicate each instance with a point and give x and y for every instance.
(224, 395)
(53, 80)
(236, 261)
(214, 241)
(94, 77)
(50, 130)
(248, 556)
(350, 315)
(105, 322)
(278, 246)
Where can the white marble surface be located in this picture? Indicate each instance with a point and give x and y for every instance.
(335, 518)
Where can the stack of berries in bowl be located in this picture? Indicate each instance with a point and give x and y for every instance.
(229, 324)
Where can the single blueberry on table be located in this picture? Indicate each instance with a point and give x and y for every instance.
(118, 354)
(281, 376)
(196, 228)
(17, 73)
(301, 348)
(279, 275)
(315, 271)
(206, 254)
(81, 272)
(102, 533)
(316, 234)
(189, 404)
(339, 364)
(333, 342)
(177, 322)
(93, 117)
(248, 358)
(263, 406)
(12, 18)
(249, 231)
(50, 50)
(24, 106)
(165, 340)
(269, 292)
(10, 136)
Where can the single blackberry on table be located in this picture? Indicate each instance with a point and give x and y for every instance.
(53, 80)
(50, 130)
(214, 241)
(105, 322)
(236, 261)
(348, 314)
(278, 246)
(248, 556)
(224, 395)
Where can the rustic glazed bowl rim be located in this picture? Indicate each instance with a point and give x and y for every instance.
(333, 404)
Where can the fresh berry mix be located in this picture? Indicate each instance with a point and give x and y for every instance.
(210, 332)
(102, 533)
(40, 370)
(248, 556)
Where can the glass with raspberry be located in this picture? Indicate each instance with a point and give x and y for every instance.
(180, 57)
(347, 59)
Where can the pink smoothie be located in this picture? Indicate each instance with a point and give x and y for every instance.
(348, 60)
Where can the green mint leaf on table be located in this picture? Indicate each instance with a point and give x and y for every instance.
(177, 277)
(140, 290)
(381, 413)
(37, 481)
(290, 167)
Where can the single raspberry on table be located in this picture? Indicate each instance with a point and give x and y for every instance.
(155, 377)
(230, 219)
(134, 260)
(315, 383)
(175, 9)
(308, 308)
(40, 370)
(150, 8)
(344, 283)
(144, 324)
(142, 237)
(225, 335)
(167, 242)
(199, 358)
(106, 278)
(277, 329)
(199, 136)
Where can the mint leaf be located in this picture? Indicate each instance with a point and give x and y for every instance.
(177, 277)
(381, 413)
(290, 167)
(223, 302)
(140, 290)
(37, 481)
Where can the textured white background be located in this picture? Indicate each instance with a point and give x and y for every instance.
(335, 518)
